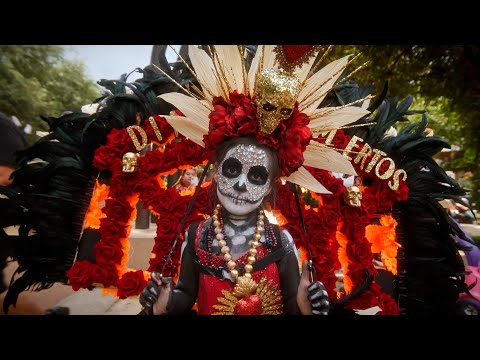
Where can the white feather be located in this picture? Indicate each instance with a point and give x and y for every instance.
(313, 92)
(335, 119)
(203, 66)
(232, 63)
(190, 107)
(268, 62)
(323, 157)
(366, 103)
(303, 178)
(188, 128)
(303, 71)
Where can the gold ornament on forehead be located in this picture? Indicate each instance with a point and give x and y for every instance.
(276, 94)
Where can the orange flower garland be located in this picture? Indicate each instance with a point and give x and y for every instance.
(383, 240)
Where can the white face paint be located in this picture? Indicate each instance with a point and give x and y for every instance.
(244, 179)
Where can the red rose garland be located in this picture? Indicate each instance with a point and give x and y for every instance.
(125, 188)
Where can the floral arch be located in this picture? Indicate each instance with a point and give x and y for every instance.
(336, 235)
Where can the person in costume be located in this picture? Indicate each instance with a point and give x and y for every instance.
(280, 100)
(236, 262)
(236, 254)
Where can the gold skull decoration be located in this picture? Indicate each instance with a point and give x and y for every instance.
(276, 93)
(130, 162)
(352, 196)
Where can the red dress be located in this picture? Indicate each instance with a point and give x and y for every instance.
(210, 287)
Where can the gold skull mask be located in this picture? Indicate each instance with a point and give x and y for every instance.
(353, 196)
(276, 94)
(130, 162)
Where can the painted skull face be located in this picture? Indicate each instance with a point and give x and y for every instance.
(244, 178)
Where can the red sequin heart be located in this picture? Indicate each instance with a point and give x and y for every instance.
(251, 305)
(293, 53)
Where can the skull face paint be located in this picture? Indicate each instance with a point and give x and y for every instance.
(244, 178)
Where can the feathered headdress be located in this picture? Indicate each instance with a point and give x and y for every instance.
(276, 101)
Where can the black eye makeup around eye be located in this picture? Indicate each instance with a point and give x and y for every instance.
(231, 168)
(258, 175)
(269, 107)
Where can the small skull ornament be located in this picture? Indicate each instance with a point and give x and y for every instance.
(130, 162)
(276, 93)
(352, 196)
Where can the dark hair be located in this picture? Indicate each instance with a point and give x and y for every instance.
(248, 140)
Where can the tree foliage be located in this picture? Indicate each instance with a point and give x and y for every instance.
(443, 79)
(36, 80)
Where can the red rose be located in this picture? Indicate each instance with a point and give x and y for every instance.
(316, 230)
(108, 253)
(149, 192)
(122, 185)
(102, 159)
(163, 126)
(106, 274)
(189, 153)
(167, 228)
(369, 203)
(117, 209)
(167, 201)
(385, 198)
(202, 203)
(81, 274)
(157, 162)
(329, 215)
(111, 230)
(118, 143)
(331, 183)
(285, 200)
(132, 283)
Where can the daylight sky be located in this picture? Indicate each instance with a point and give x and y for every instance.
(111, 61)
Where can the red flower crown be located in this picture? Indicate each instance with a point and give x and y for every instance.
(238, 117)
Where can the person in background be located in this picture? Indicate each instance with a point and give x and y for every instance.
(11, 140)
(187, 180)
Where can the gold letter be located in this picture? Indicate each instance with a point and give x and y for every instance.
(155, 128)
(134, 138)
(352, 144)
(396, 175)
(375, 158)
(330, 136)
(363, 155)
(387, 173)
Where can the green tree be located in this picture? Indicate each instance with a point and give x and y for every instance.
(37, 80)
(443, 79)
